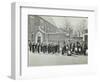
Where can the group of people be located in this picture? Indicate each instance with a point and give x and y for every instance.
(72, 48)
(76, 48)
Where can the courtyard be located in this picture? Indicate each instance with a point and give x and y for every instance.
(41, 59)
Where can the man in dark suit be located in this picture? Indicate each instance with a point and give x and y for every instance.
(30, 45)
(85, 48)
(49, 48)
(44, 47)
(38, 47)
(33, 47)
(63, 48)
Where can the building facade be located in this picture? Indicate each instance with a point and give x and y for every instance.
(40, 30)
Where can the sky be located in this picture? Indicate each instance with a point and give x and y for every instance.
(61, 21)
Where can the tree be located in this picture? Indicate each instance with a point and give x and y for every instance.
(82, 25)
(68, 29)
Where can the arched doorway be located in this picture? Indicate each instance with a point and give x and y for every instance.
(39, 37)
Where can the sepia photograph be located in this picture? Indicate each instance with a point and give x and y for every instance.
(57, 40)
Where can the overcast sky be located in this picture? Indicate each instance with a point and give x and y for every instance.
(60, 22)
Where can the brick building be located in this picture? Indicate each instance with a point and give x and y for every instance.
(41, 30)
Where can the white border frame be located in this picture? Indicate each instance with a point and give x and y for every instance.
(16, 71)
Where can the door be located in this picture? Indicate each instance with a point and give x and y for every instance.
(39, 39)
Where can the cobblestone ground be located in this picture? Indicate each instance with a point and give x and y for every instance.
(41, 59)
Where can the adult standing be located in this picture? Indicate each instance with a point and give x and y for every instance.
(30, 45)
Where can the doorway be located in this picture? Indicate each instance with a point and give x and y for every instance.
(39, 37)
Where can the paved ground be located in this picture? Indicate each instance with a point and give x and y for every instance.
(57, 59)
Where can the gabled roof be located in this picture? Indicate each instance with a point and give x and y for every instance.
(48, 19)
(53, 28)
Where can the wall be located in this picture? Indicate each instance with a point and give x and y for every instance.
(5, 40)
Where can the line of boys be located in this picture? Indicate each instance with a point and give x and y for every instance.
(69, 49)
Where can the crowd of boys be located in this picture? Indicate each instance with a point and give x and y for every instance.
(72, 48)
